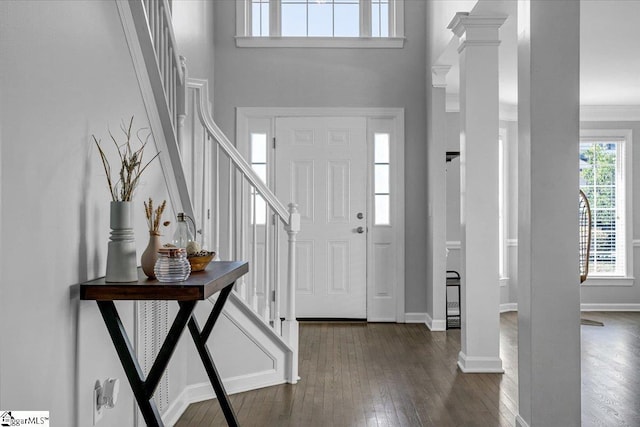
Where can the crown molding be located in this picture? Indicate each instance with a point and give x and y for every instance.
(588, 113)
(456, 25)
(610, 113)
(475, 43)
(463, 21)
(439, 75)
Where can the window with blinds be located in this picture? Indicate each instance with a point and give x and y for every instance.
(602, 178)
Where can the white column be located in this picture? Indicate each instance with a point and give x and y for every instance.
(437, 199)
(548, 276)
(480, 337)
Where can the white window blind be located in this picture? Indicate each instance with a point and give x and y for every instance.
(603, 180)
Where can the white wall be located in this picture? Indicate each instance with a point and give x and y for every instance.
(291, 77)
(193, 26)
(589, 294)
(66, 74)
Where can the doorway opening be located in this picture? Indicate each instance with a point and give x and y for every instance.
(344, 168)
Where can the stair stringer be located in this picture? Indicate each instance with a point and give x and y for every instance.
(239, 330)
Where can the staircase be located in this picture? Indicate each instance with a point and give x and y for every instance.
(236, 214)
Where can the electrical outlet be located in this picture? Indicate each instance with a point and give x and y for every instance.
(97, 407)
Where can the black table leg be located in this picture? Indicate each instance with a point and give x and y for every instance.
(143, 389)
(200, 340)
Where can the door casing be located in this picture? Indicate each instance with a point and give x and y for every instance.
(382, 309)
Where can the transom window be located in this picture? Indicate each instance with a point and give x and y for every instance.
(603, 178)
(320, 23)
(320, 18)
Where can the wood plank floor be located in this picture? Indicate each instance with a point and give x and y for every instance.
(611, 370)
(358, 374)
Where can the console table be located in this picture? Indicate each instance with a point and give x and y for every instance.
(220, 276)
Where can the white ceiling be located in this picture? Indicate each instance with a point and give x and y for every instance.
(609, 51)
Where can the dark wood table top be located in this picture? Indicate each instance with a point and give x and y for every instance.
(199, 286)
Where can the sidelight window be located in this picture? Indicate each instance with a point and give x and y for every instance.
(258, 142)
(381, 182)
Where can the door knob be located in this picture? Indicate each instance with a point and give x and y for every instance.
(360, 230)
(360, 215)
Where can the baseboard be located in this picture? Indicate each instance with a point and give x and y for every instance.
(484, 365)
(177, 407)
(436, 325)
(513, 306)
(203, 391)
(433, 325)
(415, 318)
(520, 422)
(509, 306)
(609, 307)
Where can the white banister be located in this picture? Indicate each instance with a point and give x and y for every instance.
(230, 209)
(265, 277)
(290, 327)
(201, 90)
(216, 198)
(201, 145)
(253, 294)
(276, 278)
(181, 105)
(143, 22)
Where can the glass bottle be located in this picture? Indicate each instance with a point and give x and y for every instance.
(183, 234)
(172, 265)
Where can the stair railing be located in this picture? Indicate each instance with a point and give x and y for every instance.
(247, 220)
(211, 173)
(159, 25)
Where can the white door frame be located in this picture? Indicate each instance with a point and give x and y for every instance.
(396, 116)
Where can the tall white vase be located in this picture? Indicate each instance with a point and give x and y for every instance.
(121, 254)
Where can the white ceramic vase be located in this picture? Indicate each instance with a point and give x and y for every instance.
(121, 254)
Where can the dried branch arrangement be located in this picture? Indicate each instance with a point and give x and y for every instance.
(153, 217)
(131, 163)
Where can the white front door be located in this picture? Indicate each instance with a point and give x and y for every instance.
(321, 164)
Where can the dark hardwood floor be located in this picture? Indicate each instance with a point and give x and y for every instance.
(611, 370)
(358, 374)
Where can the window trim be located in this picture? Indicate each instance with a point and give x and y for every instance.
(395, 40)
(625, 136)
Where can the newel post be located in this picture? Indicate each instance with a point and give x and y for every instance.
(290, 325)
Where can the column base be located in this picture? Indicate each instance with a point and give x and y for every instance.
(520, 422)
(479, 365)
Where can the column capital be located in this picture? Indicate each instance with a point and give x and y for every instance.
(439, 75)
(478, 30)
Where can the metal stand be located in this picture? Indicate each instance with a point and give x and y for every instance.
(143, 388)
(453, 309)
